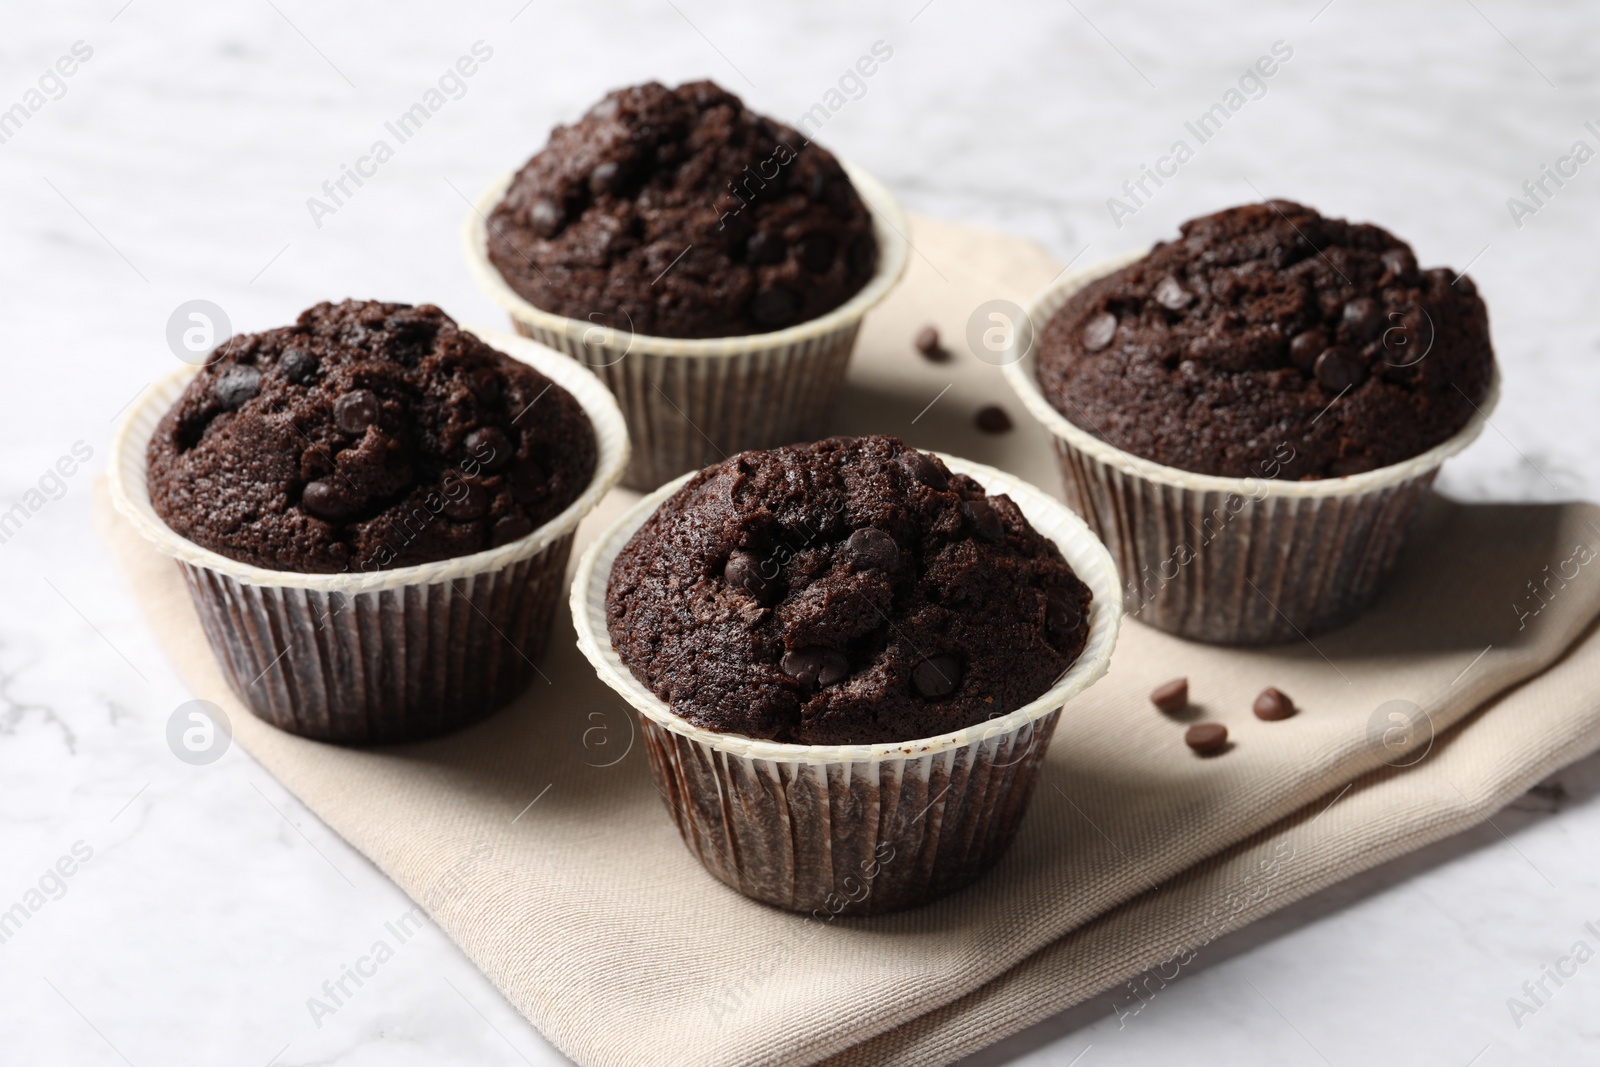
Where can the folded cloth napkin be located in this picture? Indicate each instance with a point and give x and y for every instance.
(536, 841)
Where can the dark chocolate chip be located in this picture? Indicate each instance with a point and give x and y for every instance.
(763, 248)
(528, 480)
(816, 667)
(1339, 369)
(1465, 286)
(509, 528)
(936, 676)
(546, 217)
(1306, 347)
(465, 501)
(355, 411)
(605, 178)
(870, 548)
(743, 572)
(927, 342)
(1273, 704)
(1399, 265)
(1061, 611)
(817, 252)
(489, 447)
(1364, 317)
(1171, 295)
(1099, 331)
(992, 419)
(297, 365)
(1171, 697)
(774, 307)
(924, 468)
(325, 500)
(236, 385)
(984, 521)
(1206, 737)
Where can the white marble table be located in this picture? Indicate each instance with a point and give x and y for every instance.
(176, 164)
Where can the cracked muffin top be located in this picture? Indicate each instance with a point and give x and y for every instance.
(366, 436)
(681, 213)
(1269, 341)
(851, 591)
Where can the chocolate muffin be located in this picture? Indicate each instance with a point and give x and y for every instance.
(680, 213)
(850, 591)
(1270, 341)
(364, 437)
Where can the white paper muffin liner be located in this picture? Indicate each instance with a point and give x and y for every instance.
(1235, 561)
(385, 656)
(690, 402)
(853, 829)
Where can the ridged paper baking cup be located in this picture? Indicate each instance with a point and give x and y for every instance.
(690, 402)
(853, 829)
(1235, 561)
(385, 656)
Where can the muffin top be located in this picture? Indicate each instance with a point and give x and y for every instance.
(851, 591)
(680, 213)
(1268, 341)
(366, 436)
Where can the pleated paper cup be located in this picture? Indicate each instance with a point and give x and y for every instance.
(386, 656)
(1233, 561)
(691, 402)
(853, 829)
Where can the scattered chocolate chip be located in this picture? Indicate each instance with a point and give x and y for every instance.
(1171, 697)
(992, 419)
(936, 676)
(774, 307)
(528, 480)
(485, 384)
(1273, 704)
(927, 343)
(869, 548)
(1061, 611)
(1171, 295)
(1099, 331)
(297, 365)
(816, 667)
(489, 447)
(355, 411)
(1364, 317)
(236, 385)
(465, 501)
(510, 528)
(1339, 369)
(763, 248)
(983, 520)
(743, 572)
(924, 468)
(1399, 265)
(326, 501)
(1306, 347)
(546, 217)
(817, 252)
(1465, 286)
(1206, 737)
(605, 178)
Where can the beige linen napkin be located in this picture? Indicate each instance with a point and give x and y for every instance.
(602, 929)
